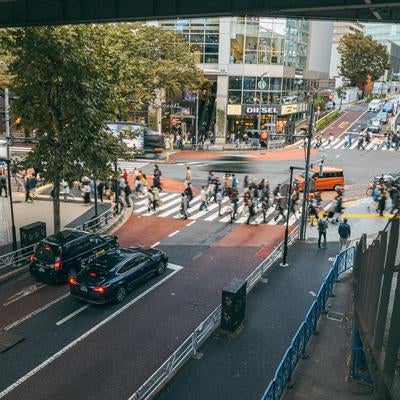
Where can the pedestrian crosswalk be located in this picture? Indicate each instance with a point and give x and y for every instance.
(342, 143)
(194, 163)
(131, 165)
(170, 206)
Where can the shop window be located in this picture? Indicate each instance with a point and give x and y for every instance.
(251, 43)
(250, 57)
(235, 82)
(211, 58)
(234, 97)
(197, 38)
(212, 38)
(249, 97)
(249, 83)
(275, 83)
(211, 48)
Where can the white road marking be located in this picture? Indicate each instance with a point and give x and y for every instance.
(337, 155)
(176, 209)
(144, 201)
(204, 212)
(54, 357)
(173, 233)
(24, 292)
(193, 222)
(76, 312)
(155, 244)
(37, 311)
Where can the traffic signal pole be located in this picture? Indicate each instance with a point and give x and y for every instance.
(304, 209)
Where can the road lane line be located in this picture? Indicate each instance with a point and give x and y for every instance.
(193, 222)
(351, 125)
(155, 244)
(37, 311)
(54, 357)
(173, 233)
(24, 292)
(76, 312)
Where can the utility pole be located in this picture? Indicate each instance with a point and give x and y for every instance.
(197, 120)
(303, 226)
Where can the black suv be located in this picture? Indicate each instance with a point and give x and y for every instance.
(62, 255)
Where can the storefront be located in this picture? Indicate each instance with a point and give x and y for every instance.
(274, 117)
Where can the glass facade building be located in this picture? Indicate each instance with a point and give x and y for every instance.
(236, 53)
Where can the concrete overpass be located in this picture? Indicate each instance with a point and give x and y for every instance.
(41, 12)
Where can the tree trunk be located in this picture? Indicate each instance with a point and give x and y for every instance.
(56, 205)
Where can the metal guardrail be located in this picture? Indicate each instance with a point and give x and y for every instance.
(276, 387)
(190, 346)
(20, 258)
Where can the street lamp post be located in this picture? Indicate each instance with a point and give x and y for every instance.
(261, 88)
(197, 120)
(288, 203)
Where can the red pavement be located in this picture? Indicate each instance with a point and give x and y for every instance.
(342, 124)
(145, 231)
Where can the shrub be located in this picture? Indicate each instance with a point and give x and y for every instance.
(325, 121)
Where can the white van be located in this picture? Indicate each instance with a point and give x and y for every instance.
(376, 105)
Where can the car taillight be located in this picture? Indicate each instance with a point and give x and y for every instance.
(32, 258)
(98, 289)
(57, 263)
(72, 281)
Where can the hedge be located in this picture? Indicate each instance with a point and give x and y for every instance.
(325, 121)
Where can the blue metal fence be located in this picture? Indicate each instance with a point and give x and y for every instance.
(343, 262)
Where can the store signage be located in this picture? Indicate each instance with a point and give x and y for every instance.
(166, 105)
(289, 109)
(262, 84)
(234, 109)
(267, 109)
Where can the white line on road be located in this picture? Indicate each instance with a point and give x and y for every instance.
(37, 311)
(337, 155)
(155, 244)
(76, 312)
(54, 357)
(193, 222)
(24, 292)
(173, 233)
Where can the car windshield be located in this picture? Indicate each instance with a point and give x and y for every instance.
(46, 251)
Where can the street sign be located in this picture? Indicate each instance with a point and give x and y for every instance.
(262, 84)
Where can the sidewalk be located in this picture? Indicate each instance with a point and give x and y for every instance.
(332, 346)
(72, 215)
(240, 366)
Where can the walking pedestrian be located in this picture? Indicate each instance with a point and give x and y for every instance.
(382, 203)
(322, 227)
(86, 193)
(279, 206)
(3, 184)
(27, 184)
(156, 197)
(189, 193)
(344, 234)
(188, 177)
(150, 200)
(219, 201)
(331, 138)
(264, 209)
(128, 193)
(100, 190)
(157, 177)
(203, 199)
(184, 205)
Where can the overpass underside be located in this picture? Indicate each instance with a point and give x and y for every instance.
(41, 12)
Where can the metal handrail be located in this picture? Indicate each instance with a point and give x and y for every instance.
(20, 258)
(343, 262)
(190, 346)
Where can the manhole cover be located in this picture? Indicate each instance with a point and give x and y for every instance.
(335, 316)
(8, 340)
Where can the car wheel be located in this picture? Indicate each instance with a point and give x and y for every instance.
(162, 266)
(121, 294)
(337, 187)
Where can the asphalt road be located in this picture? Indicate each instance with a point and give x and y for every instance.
(73, 351)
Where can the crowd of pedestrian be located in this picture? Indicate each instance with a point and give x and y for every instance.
(383, 190)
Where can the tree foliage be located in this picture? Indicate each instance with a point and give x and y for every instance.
(69, 80)
(362, 58)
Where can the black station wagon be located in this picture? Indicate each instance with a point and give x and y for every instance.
(62, 255)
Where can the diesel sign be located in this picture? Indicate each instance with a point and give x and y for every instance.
(268, 109)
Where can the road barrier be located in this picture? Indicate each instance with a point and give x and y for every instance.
(189, 347)
(276, 387)
(19, 259)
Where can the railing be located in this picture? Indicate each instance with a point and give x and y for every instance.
(190, 346)
(20, 258)
(343, 262)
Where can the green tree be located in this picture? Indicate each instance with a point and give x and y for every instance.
(340, 92)
(362, 59)
(68, 80)
(64, 91)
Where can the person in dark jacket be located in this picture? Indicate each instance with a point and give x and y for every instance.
(3, 184)
(344, 234)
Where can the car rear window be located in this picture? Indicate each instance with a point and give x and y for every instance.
(47, 252)
(97, 271)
